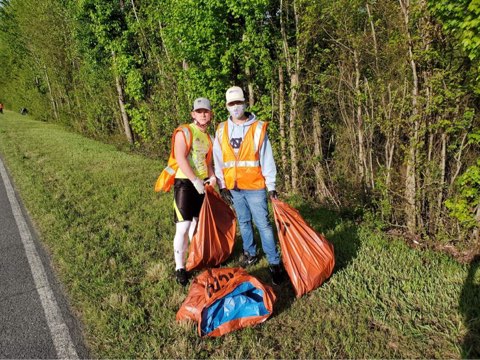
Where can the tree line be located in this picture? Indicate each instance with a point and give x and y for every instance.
(373, 105)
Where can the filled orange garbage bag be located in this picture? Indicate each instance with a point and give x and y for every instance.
(307, 256)
(226, 299)
(213, 241)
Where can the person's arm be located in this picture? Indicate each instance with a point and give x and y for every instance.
(267, 163)
(210, 170)
(218, 161)
(212, 180)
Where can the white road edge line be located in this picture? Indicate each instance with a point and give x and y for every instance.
(58, 329)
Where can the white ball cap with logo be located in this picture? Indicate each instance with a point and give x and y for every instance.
(234, 93)
(202, 103)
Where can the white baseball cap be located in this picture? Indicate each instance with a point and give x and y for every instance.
(202, 103)
(234, 93)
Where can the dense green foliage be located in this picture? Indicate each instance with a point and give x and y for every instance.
(374, 105)
(110, 238)
(462, 18)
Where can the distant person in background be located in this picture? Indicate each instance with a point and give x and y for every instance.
(1, 108)
(23, 111)
(195, 169)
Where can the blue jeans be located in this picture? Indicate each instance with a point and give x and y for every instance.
(253, 203)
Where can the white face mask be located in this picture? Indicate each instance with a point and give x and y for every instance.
(237, 111)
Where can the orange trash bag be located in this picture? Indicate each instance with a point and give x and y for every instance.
(226, 299)
(308, 256)
(214, 238)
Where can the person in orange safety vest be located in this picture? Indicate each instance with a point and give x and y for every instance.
(194, 169)
(245, 169)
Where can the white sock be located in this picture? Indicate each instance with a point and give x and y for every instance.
(180, 243)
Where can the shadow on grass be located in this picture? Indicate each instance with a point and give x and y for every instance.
(470, 308)
(284, 292)
(344, 237)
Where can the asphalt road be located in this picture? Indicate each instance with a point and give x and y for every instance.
(35, 319)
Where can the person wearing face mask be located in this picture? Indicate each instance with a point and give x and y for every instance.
(245, 169)
(194, 170)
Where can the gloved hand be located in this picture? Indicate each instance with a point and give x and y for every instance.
(199, 185)
(212, 181)
(273, 194)
(226, 196)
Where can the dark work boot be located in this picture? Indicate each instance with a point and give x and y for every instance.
(182, 277)
(248, 260)
(277, 273)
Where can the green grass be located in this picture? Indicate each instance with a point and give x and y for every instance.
(110, 237)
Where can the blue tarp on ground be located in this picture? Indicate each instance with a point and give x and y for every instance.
(244, 301)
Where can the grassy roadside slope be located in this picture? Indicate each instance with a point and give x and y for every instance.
(110, 237)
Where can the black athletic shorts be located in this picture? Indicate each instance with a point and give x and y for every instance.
(187, 200)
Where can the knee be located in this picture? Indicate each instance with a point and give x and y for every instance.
(244, 223)
(263, 222)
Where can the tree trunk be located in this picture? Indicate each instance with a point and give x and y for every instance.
(389, 152)
(121, 103)
(441, 187)
(476, 232)
(123, 112)
(281, 119)
(362, 160)
(321, 189)
(294, 84)
(251, 98)
(294, 89)
(374, 36)
(411, 208)
(458, 158)
(293, 69)
(52, 99)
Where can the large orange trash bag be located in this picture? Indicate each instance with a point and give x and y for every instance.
(226, 299)
(214, 238)
(308, 257)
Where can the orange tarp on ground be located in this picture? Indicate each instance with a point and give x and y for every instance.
(226, 299)
(308, 257)
(213, 241)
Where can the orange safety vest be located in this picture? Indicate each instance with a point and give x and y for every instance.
(242, 170)
(167, 177)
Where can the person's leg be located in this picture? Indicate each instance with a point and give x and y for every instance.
(244, 218)
(257, 201)
(183, 205)
(180, 243)
(192, 228)
(187, 204)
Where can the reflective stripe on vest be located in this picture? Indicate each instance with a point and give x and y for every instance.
(188, 134)
(220, 129)
(230, 164)
(256, 136)
(170, 170)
